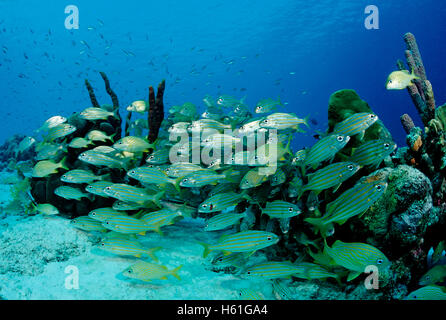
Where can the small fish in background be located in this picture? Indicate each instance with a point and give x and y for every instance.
(222, 221)
(436, 275)
(282, 121)
(431, 292)
(128, 247)
(96, 135)
(267, 105)
(80, 143)
(399, 80)
(133, 144)
(102, 214)
(97, 188)
(81, 176)
(244, 241)
(46, 209)
(70, 193)
(249, 294)
(25, 144)
(139, 106)
(87, 224)
(274, 270)
(59, 131)
(93, 114)
(45, 168)
(282, 291)
(437, 256)
(146, 271)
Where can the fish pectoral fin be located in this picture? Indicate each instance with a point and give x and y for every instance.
(226, 253)
(142, 233)
(361, 135)
(353, 275)
(138, 255)
(336, 188)
(163, 278)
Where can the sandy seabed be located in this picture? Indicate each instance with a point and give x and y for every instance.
(39, 256)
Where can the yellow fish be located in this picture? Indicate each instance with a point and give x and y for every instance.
(399, 80)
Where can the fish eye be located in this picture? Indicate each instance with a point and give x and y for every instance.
(427, 278)
(185, 180)
(220, 259)
(386, 146)
(129, 271)
(379, 187)
(268, 238)
(379, 261)
(350, 167)
(390, 81)
(93, 214)
(204, 205)
(290, 209)
(107, 188)
(340, 138)
(372, 116)
(249, 272)
(102, 244)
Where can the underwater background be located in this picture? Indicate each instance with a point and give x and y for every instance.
(303, 55)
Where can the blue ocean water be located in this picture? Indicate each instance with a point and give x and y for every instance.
(299, 50)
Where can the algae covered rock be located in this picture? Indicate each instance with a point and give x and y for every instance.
(402, 215)
(343, 104)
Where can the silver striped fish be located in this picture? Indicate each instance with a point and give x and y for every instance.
(223, 221)
(128, 247)
(98, 187)
(99, 159)
(356, 256)
(59, 131)
(245, 241)
(126, 225)
(222, 201)
(350, 203)
(274, 270)
(281, 209)
(431, 292)
(325, 149)
(282, 121)
(355, 124)
(149, 175)
(71, 193)
(330, 176)
(88, 224)
(102, 214)
(80, 176)
(124, 206)
(373, 152)
(132, 194)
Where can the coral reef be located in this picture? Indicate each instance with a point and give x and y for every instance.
(346, 203)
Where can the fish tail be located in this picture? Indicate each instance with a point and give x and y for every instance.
(414, 75)
(151, 253)
(63, 164)
(174, 272)
(157, 198)
(176, 184)
(105, 177)
(305, 121)
(206, 249)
